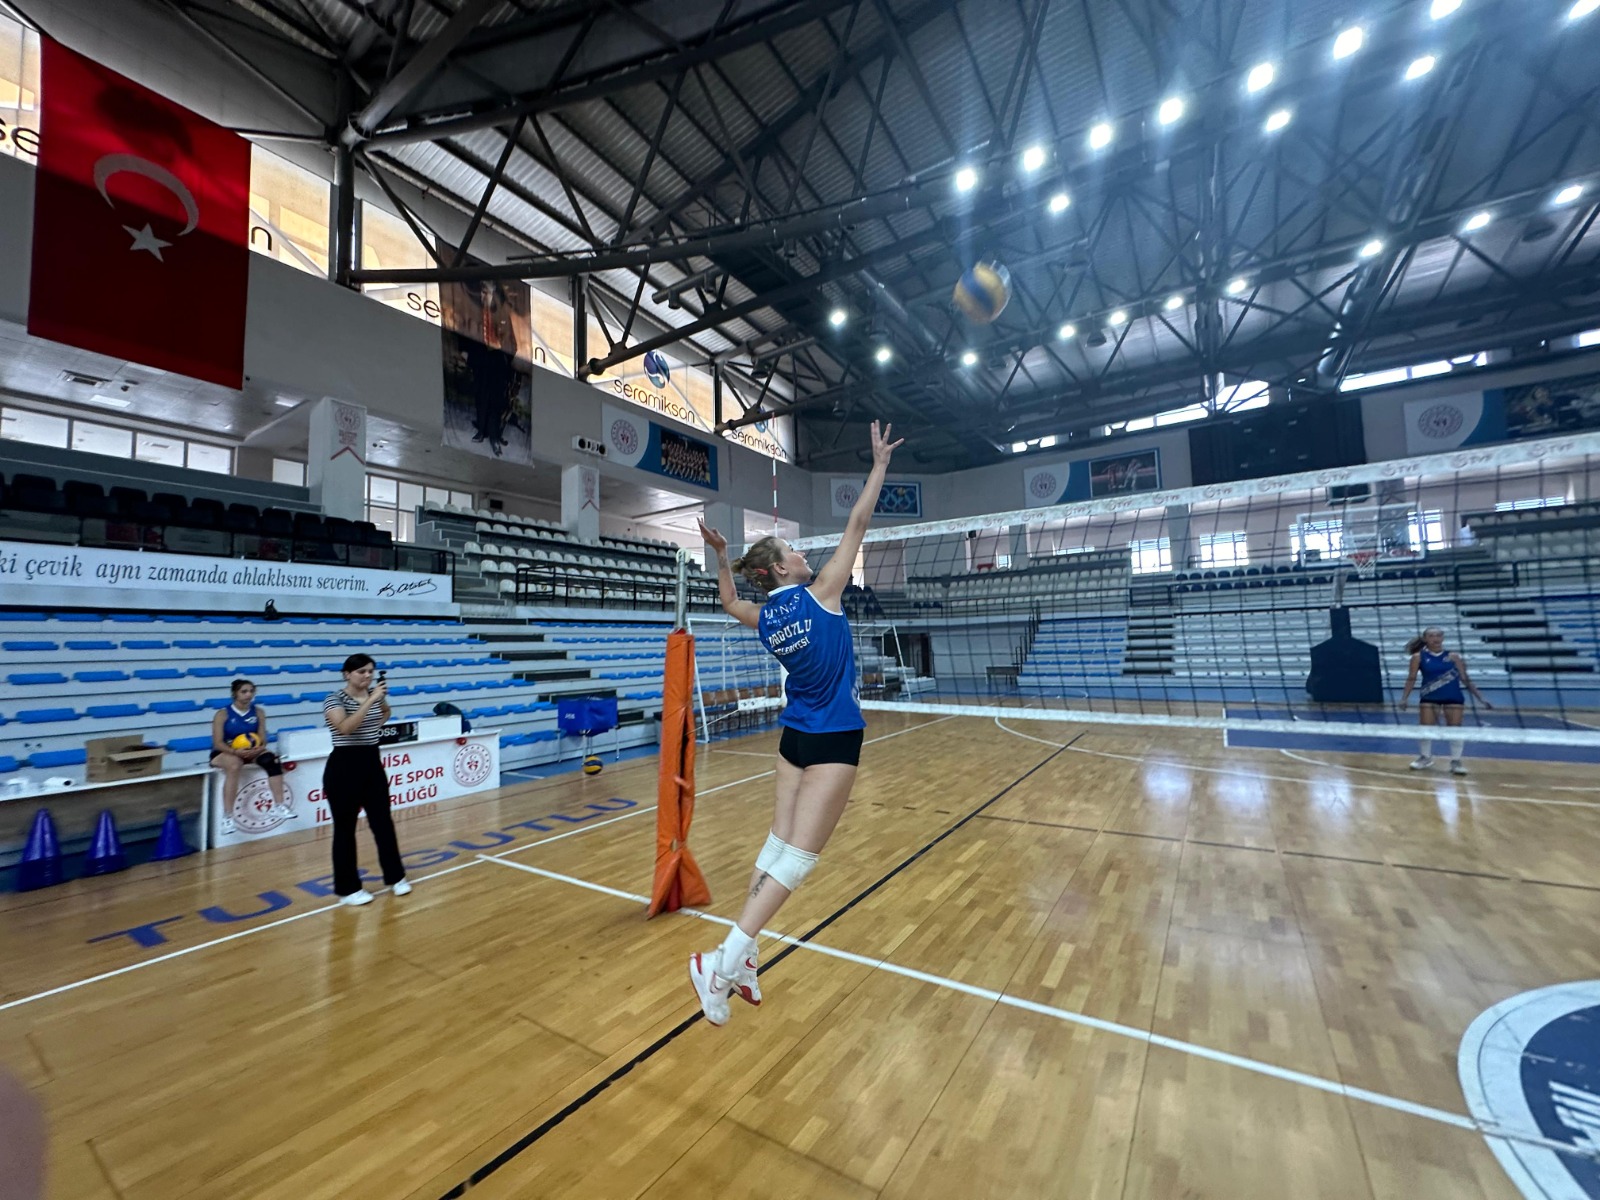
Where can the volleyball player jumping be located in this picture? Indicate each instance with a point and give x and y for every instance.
(804, 627)
(1444, 674)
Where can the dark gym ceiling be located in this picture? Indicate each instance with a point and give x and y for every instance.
(727, 175)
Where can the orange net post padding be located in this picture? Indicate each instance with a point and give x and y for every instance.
(678, 879)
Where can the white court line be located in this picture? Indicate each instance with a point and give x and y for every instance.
(1390, 775)
(1194, 1049)
(1371, 787)
(231, 937)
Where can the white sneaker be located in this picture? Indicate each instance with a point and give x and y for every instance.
(1456, 767)
(712, 991)
(356, 899)
(1421, 763)
(403, 888)
(743, 979)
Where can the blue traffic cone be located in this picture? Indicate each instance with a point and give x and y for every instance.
(105, 850)
(41, 857)
(170, 844)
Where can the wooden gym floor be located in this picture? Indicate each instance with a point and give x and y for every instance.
(1141, 966)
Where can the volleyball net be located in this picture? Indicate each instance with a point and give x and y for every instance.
(1277, 608)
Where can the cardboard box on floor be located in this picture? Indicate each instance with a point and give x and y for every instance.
(112, 758)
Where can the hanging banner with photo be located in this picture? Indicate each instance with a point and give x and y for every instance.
(487, 344)
(636, 441)
(1120, 474)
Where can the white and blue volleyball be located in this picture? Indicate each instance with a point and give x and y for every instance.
(983, 291)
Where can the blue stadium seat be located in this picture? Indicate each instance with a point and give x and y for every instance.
(174, 706)
(100, 676)
(7, 763)
(260, 669)
(44, 716)
(35, 678)
(23, 616)
(280, 643)
(96, 645)
(194, 644)
(58, 758)
(300, 668)
(138, 619)
(145, 644)
(239, 643)
(158, 673)
(185, 745)
(31, 645)
(110, 712)
(278, 698)
(77, 616)
(208, 672)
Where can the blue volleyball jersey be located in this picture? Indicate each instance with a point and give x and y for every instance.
(1441, 681)
(234, 724)
(816, 650)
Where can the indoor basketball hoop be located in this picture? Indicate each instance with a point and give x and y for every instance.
(1365, 563)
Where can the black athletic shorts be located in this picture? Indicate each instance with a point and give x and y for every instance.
(1444, 703)
(813, 749)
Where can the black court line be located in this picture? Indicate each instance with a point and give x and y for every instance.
(533, 1135)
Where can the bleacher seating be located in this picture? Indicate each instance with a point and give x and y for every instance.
(159, 676)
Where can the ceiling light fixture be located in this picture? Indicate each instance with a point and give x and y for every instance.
(1120, 317)
(1372, 249)
(1033, 158)
(1573, 190)
(1100, 136)
(1261, 76)
(1060, 202)
(883, 354)
(1420, 67)
(1067, 331)
(1237, 286)
(1443, 8)
(1476, 222)
(1582, 9)
(1279, 120)
(966, 179)
(111, 401)
(1174, 303)
(969, 358)
(1171, 110)
(1348, 42)
(837, 317)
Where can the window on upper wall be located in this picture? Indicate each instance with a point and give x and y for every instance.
(288, 212)
(1326, 538)
(38, 429)
(1427, 530)
(1531, 502)
(118, 441)
(19, 90)
(158, 448)
(1224, 549)
(387, 244)
(217, 459)
(102, 439)
(1151, 555)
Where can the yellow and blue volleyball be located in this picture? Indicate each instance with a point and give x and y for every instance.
(246, 741)
(983, 291)
(592, 765)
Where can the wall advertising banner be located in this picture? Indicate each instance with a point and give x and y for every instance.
(1451, 422)
(1121, 474)
(106, 573)
(637, 441)
(426, 772)
(488, 346)
(899, 498)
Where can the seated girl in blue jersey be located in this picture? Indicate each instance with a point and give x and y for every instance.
(1444, 674)
(244, 718)
(803, 626)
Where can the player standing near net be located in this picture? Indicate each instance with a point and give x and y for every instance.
(804, 627)
(1444, 674)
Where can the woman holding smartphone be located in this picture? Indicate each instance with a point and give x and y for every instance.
(355, 779)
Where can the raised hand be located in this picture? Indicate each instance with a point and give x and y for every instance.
(882, 447)
(715, 540)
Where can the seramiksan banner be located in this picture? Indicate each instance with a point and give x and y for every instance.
(637, 441)
(110, 573)
(419, 773)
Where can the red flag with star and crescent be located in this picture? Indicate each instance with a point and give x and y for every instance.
(141, 220)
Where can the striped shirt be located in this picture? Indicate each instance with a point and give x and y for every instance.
(342, 704)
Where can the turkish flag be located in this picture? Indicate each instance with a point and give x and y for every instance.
(141, 215)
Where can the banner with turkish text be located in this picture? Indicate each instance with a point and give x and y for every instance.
(140, 220)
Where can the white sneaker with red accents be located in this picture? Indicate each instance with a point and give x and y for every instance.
(709, 987)
(742, 977)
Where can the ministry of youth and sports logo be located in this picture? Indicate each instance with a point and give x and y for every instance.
(625, 436)
(472, 764)
(1440, 421)
(1530, 1072)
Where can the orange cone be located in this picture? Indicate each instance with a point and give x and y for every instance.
(678, 879)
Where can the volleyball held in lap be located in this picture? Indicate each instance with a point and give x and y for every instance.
(983, 291)
(246, 741)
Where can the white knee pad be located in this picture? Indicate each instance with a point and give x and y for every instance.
(792, 866)
(769, 854)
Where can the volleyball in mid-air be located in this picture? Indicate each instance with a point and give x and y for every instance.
(982, 292)
(246, 741)
(592, 765)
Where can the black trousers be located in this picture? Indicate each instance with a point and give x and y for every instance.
(354, 779)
